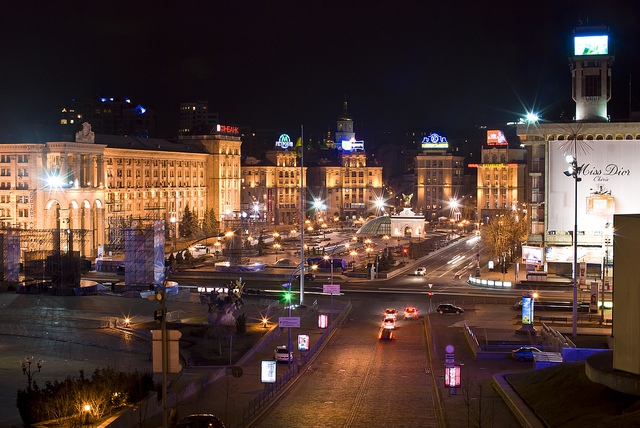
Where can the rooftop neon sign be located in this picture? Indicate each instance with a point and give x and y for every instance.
(435, 141)
(284, 142)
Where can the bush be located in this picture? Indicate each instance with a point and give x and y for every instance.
(105, 391)
(241, 324)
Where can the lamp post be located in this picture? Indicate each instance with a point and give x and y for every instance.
(573, 172)
(217, 246)
(25, 363)
(276, 247)
(608, 231)
(174, 223)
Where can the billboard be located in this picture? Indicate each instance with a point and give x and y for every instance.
(591, 45)
(609, 175)
(435, 141)
(496, 138)
(532, 255)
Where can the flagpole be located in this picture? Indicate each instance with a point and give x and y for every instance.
(302, 215)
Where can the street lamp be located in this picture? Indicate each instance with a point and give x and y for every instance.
(174, 223)
(276, 247)
(217, 246)
(25, 363)
(573, 171)
(608, 233)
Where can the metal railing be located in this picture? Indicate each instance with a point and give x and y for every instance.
(273, 389)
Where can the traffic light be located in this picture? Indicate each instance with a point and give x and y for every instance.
(287, 297)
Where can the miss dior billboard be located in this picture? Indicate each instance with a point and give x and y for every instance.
(609, 176)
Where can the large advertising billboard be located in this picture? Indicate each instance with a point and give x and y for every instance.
(591, 45)
(610, 173)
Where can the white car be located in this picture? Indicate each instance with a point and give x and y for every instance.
(200, 246)
(281, 353)
(421, 271)
(389, 323)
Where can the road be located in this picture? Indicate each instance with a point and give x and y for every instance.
(359, 381)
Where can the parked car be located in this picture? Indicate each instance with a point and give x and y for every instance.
(448, 308)
(281, 353)
(200, 247)
(524, 353)
(200, 420)
(421, 271)
(385, 334)
(308, 276)
(410, 313)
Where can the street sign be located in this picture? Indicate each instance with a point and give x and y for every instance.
(236, 371)
(331, 288)
(289, 322)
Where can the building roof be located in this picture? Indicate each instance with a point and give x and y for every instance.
(376, 226)
(153, 144)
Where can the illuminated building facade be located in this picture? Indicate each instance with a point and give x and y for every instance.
(98, 180)
(501, 180)
(271, 187)
(440, 180)
(349, 189)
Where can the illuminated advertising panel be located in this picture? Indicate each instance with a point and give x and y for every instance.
(527, 310)
(352, 145)
(284, 142)
(452, 376)
(323, 321)
(226, 129)
(268, 371)
(496, 138)
(591, 45)
(532, 255)
(610, 175)
(435, 142)
(303, 342)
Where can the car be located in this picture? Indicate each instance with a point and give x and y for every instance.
(448, 308)
(200, 420)
(385, 334)
(421, 271)
(389, 323)
(390, 313)
(524, 353)
(282, 353)
(308, 276)
(200, 247)
(410, 313)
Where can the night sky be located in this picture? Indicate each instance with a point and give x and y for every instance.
(280, 64)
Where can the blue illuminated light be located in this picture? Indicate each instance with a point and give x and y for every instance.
(435, 141)
(140, 110)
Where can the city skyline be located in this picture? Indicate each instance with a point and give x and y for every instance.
(289, 65)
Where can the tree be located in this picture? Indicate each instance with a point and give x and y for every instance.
(506, 231)
(210, 223)
(189, 223)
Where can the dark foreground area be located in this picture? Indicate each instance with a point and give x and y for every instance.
(563, 396)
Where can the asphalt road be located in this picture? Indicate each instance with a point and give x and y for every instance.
(360, 381)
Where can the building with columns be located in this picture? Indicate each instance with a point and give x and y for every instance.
(99, 182)
(271, 186)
